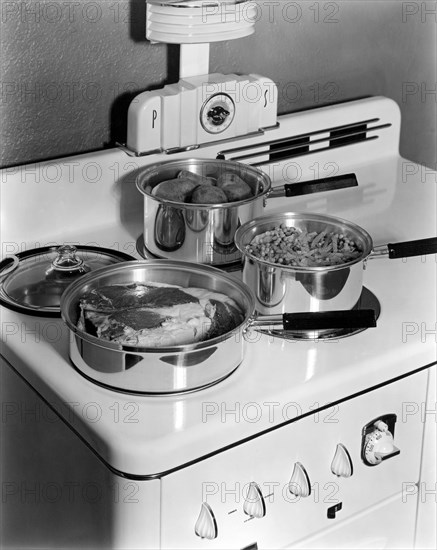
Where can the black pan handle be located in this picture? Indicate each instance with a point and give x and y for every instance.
(358, 318)
(318, 186)
(412, 248)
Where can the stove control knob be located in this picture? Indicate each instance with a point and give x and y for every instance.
(341, 464)
(254, 503)
(299, 484)
(378, 444)
(206, 525)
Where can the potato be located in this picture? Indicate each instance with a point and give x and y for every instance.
(200, 180)
(234, 187)
(178, 189)
(207, 194)
(229, 177)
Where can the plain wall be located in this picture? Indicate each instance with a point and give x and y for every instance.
(70, 68)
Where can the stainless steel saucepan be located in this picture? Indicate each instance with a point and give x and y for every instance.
(179, 368)
(192, 232)
(279, 288)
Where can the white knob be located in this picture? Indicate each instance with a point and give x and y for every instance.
(379, 444)
(206, 526)
(341, 465)
(299, 484)
(254, 504)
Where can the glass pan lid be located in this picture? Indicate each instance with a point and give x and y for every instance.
(33, 281)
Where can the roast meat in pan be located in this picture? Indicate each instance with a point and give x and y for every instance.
(155, 315)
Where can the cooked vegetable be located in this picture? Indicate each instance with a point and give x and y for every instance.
(200, 180)
(178, 189)
(235, 188)
(207, 194)
(290, 246)
(192, 188)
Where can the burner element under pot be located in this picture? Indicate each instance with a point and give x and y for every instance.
(367, 301)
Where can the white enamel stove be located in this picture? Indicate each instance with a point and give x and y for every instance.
(299, 446)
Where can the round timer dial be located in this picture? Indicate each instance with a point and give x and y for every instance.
(379, 444)
(217, 113)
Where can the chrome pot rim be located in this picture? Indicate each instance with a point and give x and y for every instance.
(76, 289)
(262, 222)
(151, 170)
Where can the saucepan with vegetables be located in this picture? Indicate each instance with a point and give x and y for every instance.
(311, 262)
(193, 207)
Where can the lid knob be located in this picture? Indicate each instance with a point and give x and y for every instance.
(67, 259)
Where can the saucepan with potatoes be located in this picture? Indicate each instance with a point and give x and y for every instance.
(193, 207)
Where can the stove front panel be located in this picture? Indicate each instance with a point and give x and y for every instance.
(246, 489)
